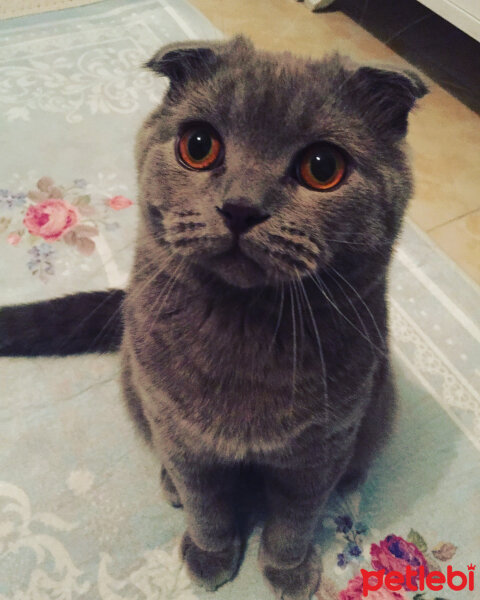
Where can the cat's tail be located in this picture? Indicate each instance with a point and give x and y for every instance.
(75, 324)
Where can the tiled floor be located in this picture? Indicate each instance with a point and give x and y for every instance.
(444, 131)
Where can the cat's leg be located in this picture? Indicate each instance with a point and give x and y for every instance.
(287, 557)
(211, 547)
(295, 498)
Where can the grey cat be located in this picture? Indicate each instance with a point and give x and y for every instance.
(254, 344)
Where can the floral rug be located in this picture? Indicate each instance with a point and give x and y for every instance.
(19, 8)
(81, 516)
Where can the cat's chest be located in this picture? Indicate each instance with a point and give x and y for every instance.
(212, 402)
(243, 345)
(238, 343)
(242, 379)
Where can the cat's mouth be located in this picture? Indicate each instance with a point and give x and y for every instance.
(236, 268)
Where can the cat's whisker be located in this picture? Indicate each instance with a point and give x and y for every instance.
(363, 13)
(279, 318)
(99, 335)
(134, 294)
(294, 334)
(378, 247)
(322, 286)
(375, 324)
(300, 319)
(112, 258)
(168, 290)
(406, 28)
(350, 242)
(138, 291)
(78, 325)
(326, 406)
(310, 250)
(282, 260)
(317, 337)
(365, 334)
(87, 317)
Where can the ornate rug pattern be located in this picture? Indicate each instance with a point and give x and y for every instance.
(81, 516)
(18, 8)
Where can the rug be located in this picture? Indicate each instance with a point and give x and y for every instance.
(18, 8)
(81, 515)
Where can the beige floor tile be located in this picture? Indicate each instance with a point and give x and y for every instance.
(287, 25)
(445, 141)
(460, 239)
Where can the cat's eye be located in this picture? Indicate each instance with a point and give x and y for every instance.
(321, 167)
(199, 147)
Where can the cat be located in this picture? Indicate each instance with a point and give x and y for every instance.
(253, 333)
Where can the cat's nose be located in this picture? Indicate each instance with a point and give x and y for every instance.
(239, 216)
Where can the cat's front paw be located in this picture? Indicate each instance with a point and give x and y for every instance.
(210, 569)
(296, 583)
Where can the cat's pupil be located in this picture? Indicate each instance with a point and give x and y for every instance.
(323, 165)
(199, 145)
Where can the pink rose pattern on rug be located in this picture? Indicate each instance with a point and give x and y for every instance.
(354, 592)
(51, 218)
(119, 202)
(13, 239)
(52, 214)
(393, 553)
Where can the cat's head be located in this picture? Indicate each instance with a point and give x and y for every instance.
(266, 167)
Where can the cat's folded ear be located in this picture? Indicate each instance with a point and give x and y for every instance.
(385, 97)
(184, 60)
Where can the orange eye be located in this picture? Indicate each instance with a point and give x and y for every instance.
(321, 167)
(199, 147)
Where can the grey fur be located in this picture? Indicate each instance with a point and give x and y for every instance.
(274, 361)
